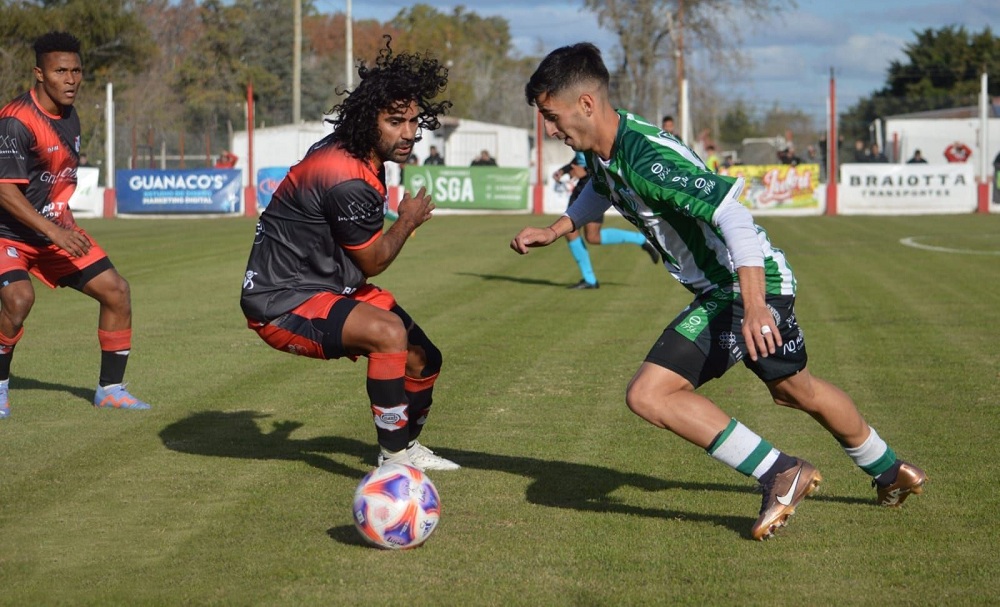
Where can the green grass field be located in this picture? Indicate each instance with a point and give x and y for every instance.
(236, 488)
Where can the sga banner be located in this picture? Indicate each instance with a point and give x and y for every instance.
(777, 186)
(470, 187)
(179, 191)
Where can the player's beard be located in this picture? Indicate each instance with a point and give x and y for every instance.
(391, 152)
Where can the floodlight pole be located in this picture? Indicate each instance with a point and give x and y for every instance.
(250, 192)
(831, 151)
(984, 145)
(349, 44)
(297, 63)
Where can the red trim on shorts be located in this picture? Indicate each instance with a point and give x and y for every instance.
(386, 365)
(115, 341)
(415, 384)
(48, 263)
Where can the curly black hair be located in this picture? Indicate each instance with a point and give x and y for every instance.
(394, 81)
(55, 42)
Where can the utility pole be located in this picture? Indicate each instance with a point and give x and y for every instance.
(349, 36)
(297, 63)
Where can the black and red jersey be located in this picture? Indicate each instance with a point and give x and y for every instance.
(39, 152)
(328, 204)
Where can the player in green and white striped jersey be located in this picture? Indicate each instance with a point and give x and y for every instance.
(744, 291)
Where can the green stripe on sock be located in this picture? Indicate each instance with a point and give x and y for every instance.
(881, 464)
(755, 458)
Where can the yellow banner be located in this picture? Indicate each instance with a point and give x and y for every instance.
(777, 186)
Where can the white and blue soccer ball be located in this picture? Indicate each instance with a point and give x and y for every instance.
(396, 507)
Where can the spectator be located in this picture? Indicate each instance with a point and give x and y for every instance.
(918, 158)
(957, 152)
(226, 160)
(876, 154)
(484, 159)
(668, 125)
(712, 161)
(434, 157)
(788, 156)
(861, 153)
(727, 161)
(83, 160)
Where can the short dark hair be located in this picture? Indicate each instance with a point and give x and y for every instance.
(393, 82)
(565, 67)
(666, 118)
(55, 42)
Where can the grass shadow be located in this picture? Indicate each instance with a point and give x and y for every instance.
(27, 383)
(556, 484)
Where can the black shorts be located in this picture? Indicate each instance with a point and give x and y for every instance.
(706, 339)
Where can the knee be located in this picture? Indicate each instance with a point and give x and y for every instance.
(641, 398)
(387, 333)
(113, 292)
(786, 394)
(17, 303)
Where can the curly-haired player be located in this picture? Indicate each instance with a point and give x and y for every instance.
(39, 156)
(321, 238)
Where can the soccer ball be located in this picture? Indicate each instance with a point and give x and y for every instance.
(396, 507)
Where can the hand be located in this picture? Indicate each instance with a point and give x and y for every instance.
(415, 210)
(71, 241)
(533, 237)
(760, 332)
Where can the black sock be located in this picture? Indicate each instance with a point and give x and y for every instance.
(112, 368)
(889, 476)
(784, 462)
(6, 355)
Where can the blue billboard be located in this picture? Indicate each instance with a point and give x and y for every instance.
(268, 179)
(179, 191)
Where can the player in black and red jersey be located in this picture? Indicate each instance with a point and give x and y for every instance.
(39, 153)
(321, 238)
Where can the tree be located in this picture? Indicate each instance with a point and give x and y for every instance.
(942, 70)
(655, 35)
(114, 41)
(484, 83)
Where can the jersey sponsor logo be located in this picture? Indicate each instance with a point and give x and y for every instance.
(8, 146)
(659, 170)
(53, 211)
(12, 252)
(359, 211)
(248, 280)
(52, 148)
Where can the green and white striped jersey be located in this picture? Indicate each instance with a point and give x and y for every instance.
(663, 188)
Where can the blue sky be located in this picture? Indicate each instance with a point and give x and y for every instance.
(791, 54)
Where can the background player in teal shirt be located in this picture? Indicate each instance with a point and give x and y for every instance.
(744, 291)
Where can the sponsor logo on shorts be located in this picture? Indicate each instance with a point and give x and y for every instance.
(248, 279)
(727, 339)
